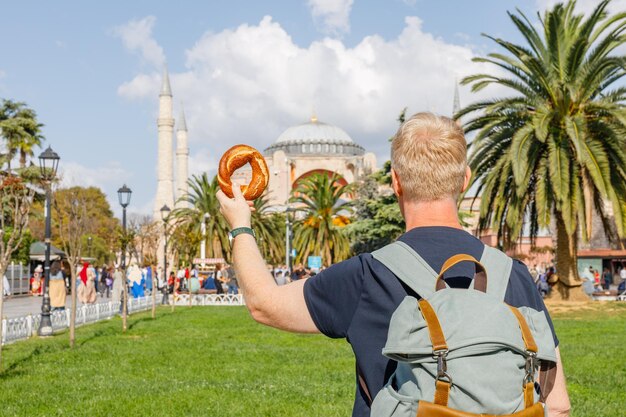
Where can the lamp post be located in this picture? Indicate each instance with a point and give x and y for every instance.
(287, 240)
(287, 220)
(89, 242)
(124, 194)
(165, 214)
(48, 164)
(205, 218)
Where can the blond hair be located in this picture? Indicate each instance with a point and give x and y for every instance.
(429, 156)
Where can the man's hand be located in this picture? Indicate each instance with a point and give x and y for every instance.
(237, 210)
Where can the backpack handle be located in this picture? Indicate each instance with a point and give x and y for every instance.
(480, 278)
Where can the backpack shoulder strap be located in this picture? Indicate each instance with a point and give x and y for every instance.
(498, 266)
(408, 266)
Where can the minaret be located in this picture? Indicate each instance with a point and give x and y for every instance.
(456, 106)
(165, 163)
(182, 158)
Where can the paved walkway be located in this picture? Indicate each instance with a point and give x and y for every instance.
(25, 305)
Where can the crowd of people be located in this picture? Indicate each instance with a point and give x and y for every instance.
(545, 278)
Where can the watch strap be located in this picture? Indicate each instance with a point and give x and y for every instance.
(240, 230)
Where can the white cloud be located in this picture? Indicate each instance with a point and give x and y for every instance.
(2, 74)
(333, 14)
(143, 85)
(137, 38)
(75, 174)
(203, 160)
(248, 84)
(108, 178)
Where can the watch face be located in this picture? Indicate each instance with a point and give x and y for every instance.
(230, 238)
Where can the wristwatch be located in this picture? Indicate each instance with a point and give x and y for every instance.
(238, 231)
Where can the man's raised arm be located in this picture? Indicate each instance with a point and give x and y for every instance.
(283, 306)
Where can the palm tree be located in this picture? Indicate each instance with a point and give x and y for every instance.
(201, 200)
(553, 152)
(20, 129)
(321, 216)
(269, 227)
(185, 242)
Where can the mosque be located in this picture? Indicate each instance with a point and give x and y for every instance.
(300, 151)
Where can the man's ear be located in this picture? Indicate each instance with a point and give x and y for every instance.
(466, 180)
(395, 183)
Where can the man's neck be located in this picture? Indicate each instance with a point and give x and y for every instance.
(431, 213)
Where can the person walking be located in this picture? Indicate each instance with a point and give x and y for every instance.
(118, 288)
(6, 287)
(136, 281)
(57, 287)
(607, 279)
(109, 280)
(36, 282)
(87, 289)
(356, 298)
(219, 279)
(233, 286)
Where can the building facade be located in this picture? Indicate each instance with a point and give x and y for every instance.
(310, 148)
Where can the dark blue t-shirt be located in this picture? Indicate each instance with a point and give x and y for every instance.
(356, 298)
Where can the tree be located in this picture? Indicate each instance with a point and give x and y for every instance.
(377, 213)
(80, 211)
(103, 228)
(201, 200)
(146, 238)
(269, 228)
(321, 216)
(553, 151)
(21, 130)
(185, 241)
(378, 218)
(16, 197)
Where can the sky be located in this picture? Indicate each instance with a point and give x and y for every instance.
(244, 70)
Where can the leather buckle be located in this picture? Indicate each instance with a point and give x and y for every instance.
(531, 366)
(442, 366)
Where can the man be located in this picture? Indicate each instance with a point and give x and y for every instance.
(356, 298)
(6, 288)
(233, 286)
(298, 273)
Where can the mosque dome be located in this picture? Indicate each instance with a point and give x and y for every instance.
(315, 138)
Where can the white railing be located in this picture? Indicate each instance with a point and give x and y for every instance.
(19, 328)
(210, 300)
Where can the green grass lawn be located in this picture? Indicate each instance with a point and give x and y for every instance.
(215, 361)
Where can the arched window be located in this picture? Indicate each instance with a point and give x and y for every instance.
(303, 148)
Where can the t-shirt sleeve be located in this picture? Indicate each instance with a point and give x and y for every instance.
(332, 296)
(522, 292)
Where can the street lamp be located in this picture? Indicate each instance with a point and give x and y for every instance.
(205, 218)
(288, 234)
(123, 195)
(165, 214)
(287, 220)
(48, 164)
(89, 242)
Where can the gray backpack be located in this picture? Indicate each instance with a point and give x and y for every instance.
(461, 352)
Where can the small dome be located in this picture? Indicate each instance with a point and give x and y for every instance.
(315, 137)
